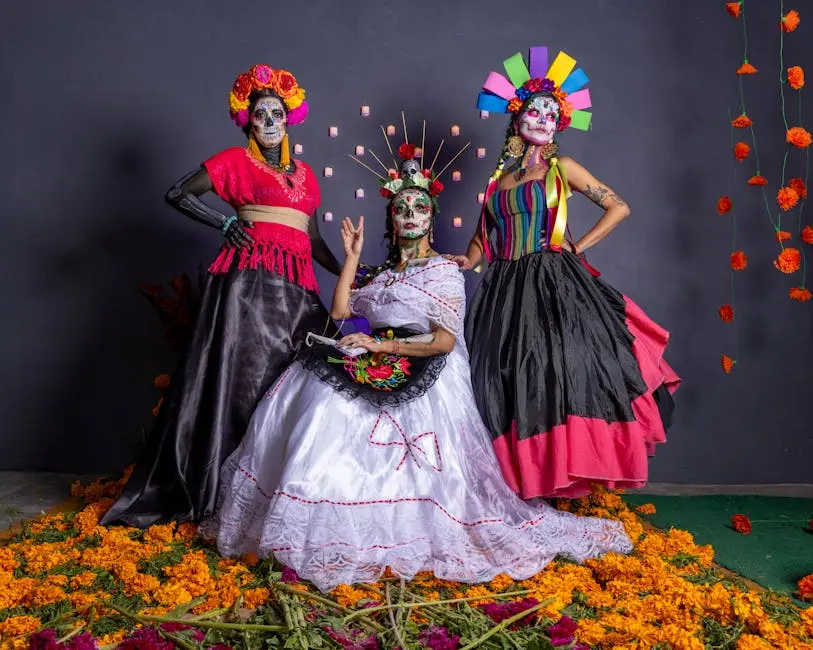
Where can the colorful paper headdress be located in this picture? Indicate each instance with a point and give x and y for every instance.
(409, 173)
(560, 80)
(263, 77)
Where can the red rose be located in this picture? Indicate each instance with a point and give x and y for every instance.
(435, 188)
(564, 122)
(406, 151)
(533, 85)
(741, 524)
(404, 365)
(242, 87)
(723, 205)
(382, 372)
(393, 174)
(387, 194)
(427, 173)
(286, 84)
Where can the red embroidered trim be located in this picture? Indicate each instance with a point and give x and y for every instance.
(295, 193)
(350, 504)
(411, 445)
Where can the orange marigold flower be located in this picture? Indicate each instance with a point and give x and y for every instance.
(801, 294)
(747, 68)
(806, 587)
(742, 524)
(646, 509)
(799, 137)
(799, 185)
(727, 363)
(250, 559)
(741, 151)
(723, 205)
(726, 313)
(807, 234)
(790, 21)
(796, 77)
(742, 122)
(733, 8)
(757, 180)
(738, 260)
(787, 198)
(788, 261)
(782, 235)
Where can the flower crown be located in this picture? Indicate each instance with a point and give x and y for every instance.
(560, 81)
(409, 174)
(263, 77)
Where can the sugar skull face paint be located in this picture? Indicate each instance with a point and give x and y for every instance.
(268, 122)
(537, 123)
(412, 214)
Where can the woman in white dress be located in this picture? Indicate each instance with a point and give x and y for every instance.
(353, 464)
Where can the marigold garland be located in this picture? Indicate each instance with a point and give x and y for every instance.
(799, 137)
(798, 185)
(733, 8)
(739, 261)
(807, 234)
(747, 68)
(787, 198)
(800, 294)
(782, 235)
(741, 151)
(796, 77)
(741, 122)
(723, 205)
(726, 313)
(727, 363)
(790, 21)
(789, 260)
(758, 181)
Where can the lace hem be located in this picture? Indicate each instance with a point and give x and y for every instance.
(331, 543)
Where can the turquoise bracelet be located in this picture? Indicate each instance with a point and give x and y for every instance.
(227, 223)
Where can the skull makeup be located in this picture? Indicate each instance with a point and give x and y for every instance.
(412, 214)
(537, 123)
(268, 121)
(410, 168)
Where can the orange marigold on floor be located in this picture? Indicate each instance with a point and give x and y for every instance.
(796, 77)
(747, 68)
(741, 523)
(798, 184)
(17, 625)
(723, 205)
(741, 151)
(646, 509)
(799, 137)
(782, 235)
(806, 587)
(790, 21)
(726, 313)
(727, 363)
(741, 122)
(788, 261)
(739, 260)
(799, 293)
(757, 180)
(787, 198)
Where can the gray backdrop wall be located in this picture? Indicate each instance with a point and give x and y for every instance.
(106, 104)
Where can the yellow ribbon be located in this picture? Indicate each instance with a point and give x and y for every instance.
(557, 199)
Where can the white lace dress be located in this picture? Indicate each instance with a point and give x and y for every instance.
(339, 489)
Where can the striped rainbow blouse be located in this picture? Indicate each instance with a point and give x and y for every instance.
(518, 216)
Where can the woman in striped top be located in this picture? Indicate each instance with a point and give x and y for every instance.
(568, 373)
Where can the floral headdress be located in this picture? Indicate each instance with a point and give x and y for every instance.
(410, 172)
(567, 86)
(560, 81)
(263, 77)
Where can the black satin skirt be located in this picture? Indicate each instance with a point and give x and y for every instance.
(568, 375)
(250, 326)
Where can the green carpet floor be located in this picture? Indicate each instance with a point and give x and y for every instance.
(777, 553)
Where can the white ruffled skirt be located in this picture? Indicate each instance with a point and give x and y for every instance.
(339, 490)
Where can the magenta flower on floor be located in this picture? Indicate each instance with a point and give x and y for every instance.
(498, 612)
(289, 575)
(438, 638)
(562, 632)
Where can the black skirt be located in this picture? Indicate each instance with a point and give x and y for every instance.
(568, 376)
(250, 325)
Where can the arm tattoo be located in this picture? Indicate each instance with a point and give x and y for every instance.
(603, 196)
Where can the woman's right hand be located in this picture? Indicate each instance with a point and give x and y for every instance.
(352, 237)
(237, 236)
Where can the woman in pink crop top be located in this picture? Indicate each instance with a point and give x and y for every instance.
(259, 301)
